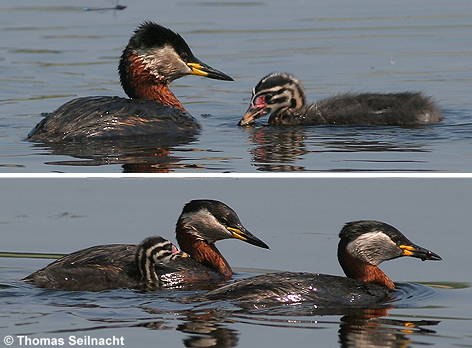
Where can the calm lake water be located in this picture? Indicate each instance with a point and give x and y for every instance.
(299, 219)
(52, 51)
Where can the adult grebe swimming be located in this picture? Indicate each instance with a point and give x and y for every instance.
(281, 96)
(363, 246)
(154, 57)
(155, 262)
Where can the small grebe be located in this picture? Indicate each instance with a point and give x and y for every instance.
(154, 57)
(363, 245)
(281, 96)
(156, 262)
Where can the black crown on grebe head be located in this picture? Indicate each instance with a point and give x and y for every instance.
(152, 35)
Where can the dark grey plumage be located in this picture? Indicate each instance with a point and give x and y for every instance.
(373, 109)
(293, 287)
(92, 269)
(105, 267)
(281, 96)
(111, 117)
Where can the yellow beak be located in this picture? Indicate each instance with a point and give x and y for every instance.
(201, 69)
(246, 236)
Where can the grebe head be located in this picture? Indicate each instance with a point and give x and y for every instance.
(276, 93)
(158, 55)
(151, 251)
(210, 221)
(365, 244)
(374, 242)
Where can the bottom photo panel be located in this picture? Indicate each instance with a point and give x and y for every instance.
(235, 262)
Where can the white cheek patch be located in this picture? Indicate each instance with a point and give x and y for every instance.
(163, 62)
(371, 247)
(205, 226)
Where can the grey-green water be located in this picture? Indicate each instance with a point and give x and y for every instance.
(299, 219)
(52, 51)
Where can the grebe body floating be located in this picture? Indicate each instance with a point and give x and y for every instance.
(156, 262)
(154, 57)
(281, 96)
(362, 246)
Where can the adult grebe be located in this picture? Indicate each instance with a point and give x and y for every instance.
(363, 245)
(281, 96)
(154, 57)
(155, 262)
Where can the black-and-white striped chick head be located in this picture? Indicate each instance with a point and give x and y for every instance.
(275, 94)
(152, 251)
(374, 242)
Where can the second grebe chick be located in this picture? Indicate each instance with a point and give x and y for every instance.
(155, 262)
(282, 97)
(362, 247)
(154, 57)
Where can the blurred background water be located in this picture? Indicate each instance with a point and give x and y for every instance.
(52, 51)
(298, 218)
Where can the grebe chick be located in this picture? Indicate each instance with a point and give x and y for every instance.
(281, 96)
(108, 267)
(363, 246)
(154, 57)
(156, 262)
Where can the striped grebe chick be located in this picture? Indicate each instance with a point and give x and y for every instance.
(154, 57)
(282, 97)
(362, 247)
(155, 262)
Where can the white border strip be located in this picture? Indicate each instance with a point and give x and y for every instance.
(344, 175)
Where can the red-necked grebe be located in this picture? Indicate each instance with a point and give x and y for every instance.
(363, 246)
(155, 262)
(154, 57)
(281, 96)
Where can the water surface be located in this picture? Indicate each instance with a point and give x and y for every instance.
(299, 219)
(51, 53)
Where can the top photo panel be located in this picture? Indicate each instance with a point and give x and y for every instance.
(277, 86)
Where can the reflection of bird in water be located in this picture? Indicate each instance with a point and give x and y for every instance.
(160, 155)
(154, 57)
(206, 329)
(155, 262)
(362, 247)
(281, 96)
(275, 150)
(358, 327)
(366, 329)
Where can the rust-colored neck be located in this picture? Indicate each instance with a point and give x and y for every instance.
(203, 252)
(360, 270)
(139, 83)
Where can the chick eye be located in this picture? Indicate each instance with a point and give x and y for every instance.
(278, 100)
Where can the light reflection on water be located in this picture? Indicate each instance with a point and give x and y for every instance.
(208, 324)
